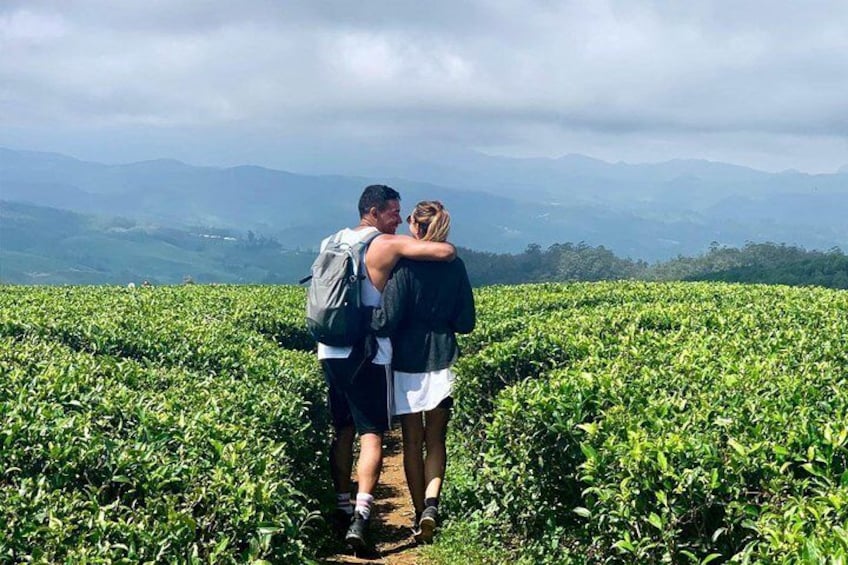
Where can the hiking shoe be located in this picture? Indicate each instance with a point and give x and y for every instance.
(357, 533)
(416, 528)
(427, 524)
(340, 521)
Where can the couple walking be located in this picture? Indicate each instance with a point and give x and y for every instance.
(416, 296)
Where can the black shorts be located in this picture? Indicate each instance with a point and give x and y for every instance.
(359, 394)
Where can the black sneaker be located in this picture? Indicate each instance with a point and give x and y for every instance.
(429, 521)
(416, 528)
(357, 533)
(340, 521)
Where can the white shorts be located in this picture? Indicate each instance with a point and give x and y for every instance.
(420, 392)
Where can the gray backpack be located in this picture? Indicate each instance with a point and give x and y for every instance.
(334, 313)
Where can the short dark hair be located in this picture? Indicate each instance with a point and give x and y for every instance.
(376, 196)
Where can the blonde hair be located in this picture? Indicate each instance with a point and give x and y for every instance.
(433, 220)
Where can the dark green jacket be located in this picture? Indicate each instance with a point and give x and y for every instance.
(425, 304)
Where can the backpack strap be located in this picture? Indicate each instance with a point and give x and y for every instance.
(362, 246)
(371, 237)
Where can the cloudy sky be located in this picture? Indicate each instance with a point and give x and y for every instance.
(304, 85)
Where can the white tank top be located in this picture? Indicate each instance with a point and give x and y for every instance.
(370, 297)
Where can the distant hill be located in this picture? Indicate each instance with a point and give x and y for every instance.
(40, 245)
(48, 246)
(649, 211)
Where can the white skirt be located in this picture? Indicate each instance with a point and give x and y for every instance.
(420, 392)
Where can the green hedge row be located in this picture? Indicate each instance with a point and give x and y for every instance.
(612, 422)
(658, 423)
(158, 425)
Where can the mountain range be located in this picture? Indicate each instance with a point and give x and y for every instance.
(644, 211)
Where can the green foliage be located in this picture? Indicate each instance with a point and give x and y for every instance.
(158, 425)
(698, 422)
(47, 246)
(560, 262)
(610, 422)
(767, 263)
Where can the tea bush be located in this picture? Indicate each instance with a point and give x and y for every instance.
(697, 423)
(157, 425)
(611, 422)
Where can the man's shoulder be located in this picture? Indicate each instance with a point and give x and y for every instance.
(384, 238)
(389, 243)
(346, 235)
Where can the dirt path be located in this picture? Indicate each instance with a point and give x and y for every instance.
(393, 514)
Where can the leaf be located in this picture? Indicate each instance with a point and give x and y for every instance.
(655, 521)
(267, 529)
(737, 447)
(582, 512)
(662, 461)
(624, 546)
(780, 451)
(710, 558)
(689, 555)
(217, 446)
(588, 451)
(811, 469)
(590, 428)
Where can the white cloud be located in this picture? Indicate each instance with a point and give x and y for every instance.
(26, 28)
(533, 76)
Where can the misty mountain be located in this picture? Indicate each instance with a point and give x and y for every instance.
(40, 245)
(663, 189)
(648, 211)
(49, 246)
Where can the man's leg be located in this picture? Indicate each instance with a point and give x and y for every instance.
(341, 449)
(341, 458)
(369, 403)
(368, 473)
(370, 461)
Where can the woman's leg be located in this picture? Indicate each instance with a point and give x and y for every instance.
(413, 460)
(434, 465)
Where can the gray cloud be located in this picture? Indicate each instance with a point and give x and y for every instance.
(526, 77)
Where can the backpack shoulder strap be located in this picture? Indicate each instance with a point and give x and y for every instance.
(361, 247)
(371, 237)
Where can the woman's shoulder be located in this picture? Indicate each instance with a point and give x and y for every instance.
(414, 266)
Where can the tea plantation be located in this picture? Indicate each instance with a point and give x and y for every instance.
(594, 423)
(646, 423)
(158, 425)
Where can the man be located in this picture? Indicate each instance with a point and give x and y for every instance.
(359, 387)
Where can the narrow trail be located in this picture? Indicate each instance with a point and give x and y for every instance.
(393, 514)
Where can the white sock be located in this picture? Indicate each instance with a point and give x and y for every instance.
(343, 503)
(363, 504)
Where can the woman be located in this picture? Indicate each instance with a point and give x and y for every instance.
(424, 305)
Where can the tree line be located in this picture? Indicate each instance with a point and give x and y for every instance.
(769, 263)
